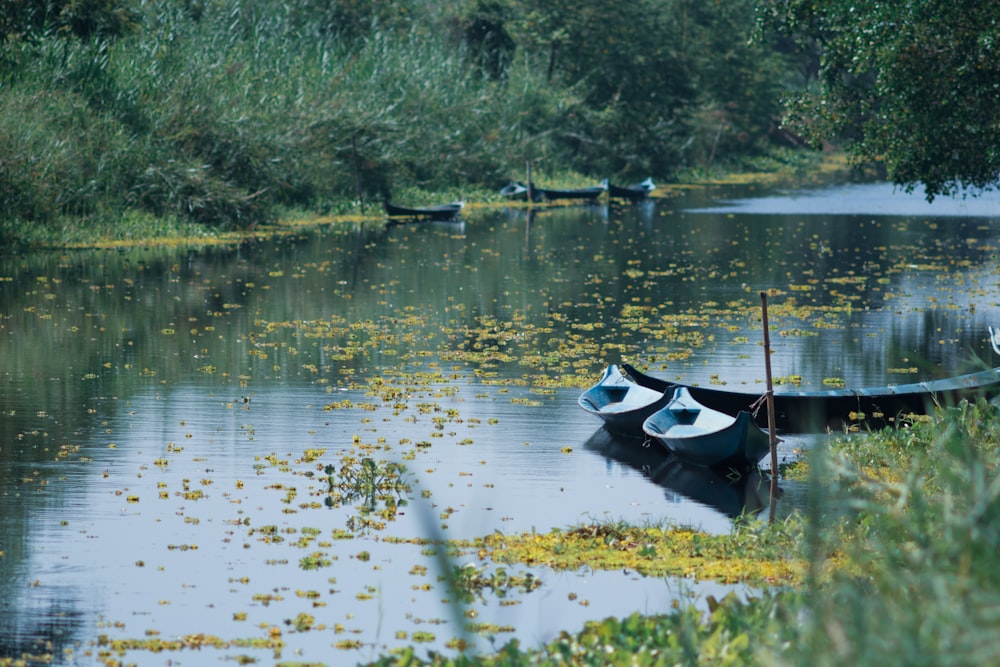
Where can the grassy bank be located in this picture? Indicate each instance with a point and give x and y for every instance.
(134, 228)
(128, 119)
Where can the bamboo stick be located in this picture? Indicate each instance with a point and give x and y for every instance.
(527, 173)
(773, 437)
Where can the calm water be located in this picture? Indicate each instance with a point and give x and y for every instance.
(166, 415)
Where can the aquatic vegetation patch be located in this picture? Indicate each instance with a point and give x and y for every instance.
(731, 632)
(560, 347)
(315, 561)
(188, 642)
(469, 582)
(378, 487)
(753, 554)
(892, 457)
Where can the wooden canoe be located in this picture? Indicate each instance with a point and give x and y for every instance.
(439, 212)
(811, 411)
(623, 403)
(633, 193)
(514, 190)
(579, 194)
(701, 436)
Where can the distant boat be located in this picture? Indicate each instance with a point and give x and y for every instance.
(439, 212)
(701, 436)
(514, 190)
(634, 193)
(818, 410)
(578, 194)
(623, 403)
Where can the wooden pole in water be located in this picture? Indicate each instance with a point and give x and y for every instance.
(356, 162)
(527, 173)
(770, 405)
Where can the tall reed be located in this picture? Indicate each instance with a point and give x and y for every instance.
(226, 112)
(914, 580)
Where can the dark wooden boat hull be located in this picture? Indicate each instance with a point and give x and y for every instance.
(634, 193)
(579, 194)
(704, 437)
(817, 411)
(622, 403)
(439, 212)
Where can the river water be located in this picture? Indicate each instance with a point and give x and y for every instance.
(167, 415)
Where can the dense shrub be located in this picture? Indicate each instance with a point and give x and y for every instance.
(226, 111)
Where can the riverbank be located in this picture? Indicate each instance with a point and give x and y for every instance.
(136, 229)
(226, 115)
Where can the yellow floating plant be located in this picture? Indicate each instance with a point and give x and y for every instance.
(654, 552)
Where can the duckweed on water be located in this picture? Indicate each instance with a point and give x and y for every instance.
(754, 554)
(921, 502)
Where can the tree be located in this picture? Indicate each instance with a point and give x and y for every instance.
(628, 72)
(739, 83)
(913, 84)
(485, 34)
(347, 21)
(82, 19)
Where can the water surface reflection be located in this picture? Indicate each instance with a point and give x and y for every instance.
(167, 415)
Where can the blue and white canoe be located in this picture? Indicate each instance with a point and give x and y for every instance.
(704, 437)
(623, 402)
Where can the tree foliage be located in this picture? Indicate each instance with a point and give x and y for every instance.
(484, 31)
(664, 82)
(913, 84)
(636, 88)
(82, 19)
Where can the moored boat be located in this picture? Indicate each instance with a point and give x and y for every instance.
(634, 193)
(623, 403)
(440, 212)
(817, 411)
(514, 190)
(704, 437)
(578, 194)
